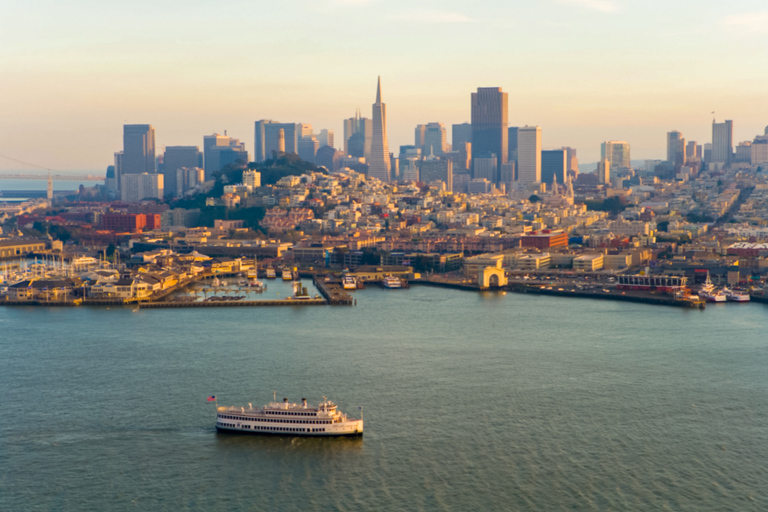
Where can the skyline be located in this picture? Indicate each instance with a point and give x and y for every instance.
(71, 80)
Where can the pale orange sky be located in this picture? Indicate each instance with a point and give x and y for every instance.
(584, 70)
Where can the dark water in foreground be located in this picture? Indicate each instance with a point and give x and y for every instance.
(472, 402)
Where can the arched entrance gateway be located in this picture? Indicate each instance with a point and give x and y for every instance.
(491, 277)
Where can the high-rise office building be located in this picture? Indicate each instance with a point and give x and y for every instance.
(221, 150)
(135, 187)
(486, 166)
(325, 138)
(308, 146)
(418, 136)
(176, 157)
(267, 138)
(529, 154)
(692, 151)
(434, 141)
(759, 149)
(675, 149)
(357, 136)
(187, 178)
(616, 152)
(329, 158)
(489, 123)
(722, 142)
(379, 164)
(138, 149)
(512, 144)
(408, 163)
(434, 168)
(507, 174)
(461, 133)
(554, 166)
(604, 172)
(573, 161)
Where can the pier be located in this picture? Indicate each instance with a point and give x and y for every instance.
(613, 294)
(333, 292)
(232, 303)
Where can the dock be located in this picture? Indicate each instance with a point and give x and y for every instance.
(232, 303)
(333, 292)
(614, 294)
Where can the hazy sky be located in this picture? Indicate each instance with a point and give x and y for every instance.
(73, 72)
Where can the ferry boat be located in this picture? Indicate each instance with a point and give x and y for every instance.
(392, 282)
(349, 282)
(271, 273)
(736, 295)
(709, 293)
(288, 419)
(287, 274)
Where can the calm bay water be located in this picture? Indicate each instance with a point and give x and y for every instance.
(471, 401)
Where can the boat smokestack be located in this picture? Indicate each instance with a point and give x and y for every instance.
(304, 402)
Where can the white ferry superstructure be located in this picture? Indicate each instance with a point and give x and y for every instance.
(392, 282)
(289, 419)
(736, 295)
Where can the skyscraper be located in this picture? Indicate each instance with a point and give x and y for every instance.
(325, 138)
(489, 123)
(308, 147)
(573, 161)
(176, 157)
(433, 168)
(379, 164)
(138, 149)
(529, 154)
(434, 139)
(220, 150)
(512, 144)
(267, 138)
(722, 142)
(409, 159)
(616, 152)
(461, 133)
(554, 166)
(357, 136)
(486, 166)
(604, 172)
(418, 136)
(675, 149)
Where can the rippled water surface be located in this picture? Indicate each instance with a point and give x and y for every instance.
(471, 402)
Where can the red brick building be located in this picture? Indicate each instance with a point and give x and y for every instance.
(153, 220)
(122, 222)
(546, 239)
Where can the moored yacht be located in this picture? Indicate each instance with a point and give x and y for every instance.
(288, 419)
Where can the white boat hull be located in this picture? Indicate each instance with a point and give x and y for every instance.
(348, 428)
